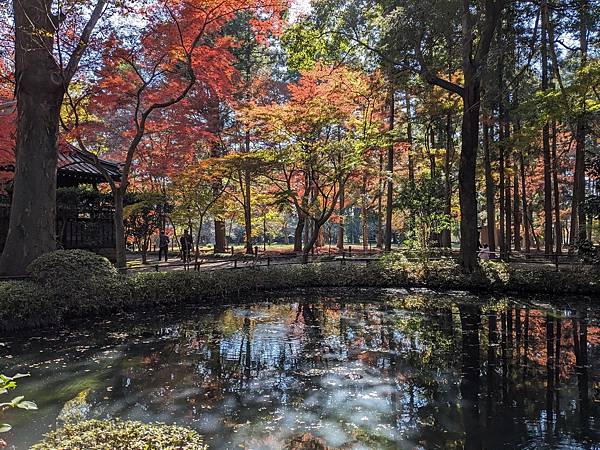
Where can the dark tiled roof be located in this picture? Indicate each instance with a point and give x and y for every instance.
(74, 161)
(78, 165)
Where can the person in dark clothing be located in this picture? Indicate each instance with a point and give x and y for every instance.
(163, 246)
(185, 243)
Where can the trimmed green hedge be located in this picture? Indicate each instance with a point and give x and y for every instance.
(31, 303)
(118, 435)
(70, 267)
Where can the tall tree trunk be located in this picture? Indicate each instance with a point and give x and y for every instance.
(516, 205)
(40, 87)
(247, 199)
(247, 213)
(39, 91)
(120, 254)
(557, 221)
(298, 232)
(536, 239)
(502, 186)
(468, 163)
(474, 52)
(379, 204)
(432, 167)
(577, 207)
(507, 198)
(434, 236)
(199, 234)
(389, 207)
(311, 239)
(340, 235)
(526, 221)
(489, 191)
(446, 236)
(411, 164)
(409, 138)
(365, 214)
(548, 244)
(578, 232)
(220, 236)
(502, 143)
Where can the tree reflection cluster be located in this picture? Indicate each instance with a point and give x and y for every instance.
(399, 371)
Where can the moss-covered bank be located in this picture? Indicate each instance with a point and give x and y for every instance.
(57, 297)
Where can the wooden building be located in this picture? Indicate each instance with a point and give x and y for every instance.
(82, 221)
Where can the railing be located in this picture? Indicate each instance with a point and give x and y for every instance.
(206, 261)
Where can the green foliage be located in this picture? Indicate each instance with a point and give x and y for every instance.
(8, 384)
(82, 198)
(589, 252)
(121, 435)
(424, 210)
(25, 304)
(306, 45)
(63, 268)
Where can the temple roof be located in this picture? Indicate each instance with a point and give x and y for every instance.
(77, 166)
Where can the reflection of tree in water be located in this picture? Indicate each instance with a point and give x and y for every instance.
(470, 318)
(437, 370)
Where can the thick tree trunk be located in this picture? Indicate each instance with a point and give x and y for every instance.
(298, 232)
(474, 55)
(468, 163)
(548, 238)
(220, 236)
(490, 196)
(389, 207)
(578, 231)
(312, 239)
(120, 255)
(39, 91)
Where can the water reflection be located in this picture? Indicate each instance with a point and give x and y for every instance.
(343, 370)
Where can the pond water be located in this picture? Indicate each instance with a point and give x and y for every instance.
(328, 369)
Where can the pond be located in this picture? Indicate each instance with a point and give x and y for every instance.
(328, 369)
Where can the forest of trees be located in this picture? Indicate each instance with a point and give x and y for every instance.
(424, 123)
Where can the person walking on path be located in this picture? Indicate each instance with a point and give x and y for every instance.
(185, 243)
(163, 242)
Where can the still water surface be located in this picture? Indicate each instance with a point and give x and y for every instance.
(329, 369)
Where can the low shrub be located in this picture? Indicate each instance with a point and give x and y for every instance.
(589, 252)
(24, 304)
(34, 303)
(121, 435)
(70, 267)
